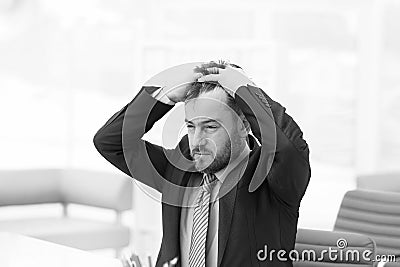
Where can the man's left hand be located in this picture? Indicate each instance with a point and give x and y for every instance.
(230, 78)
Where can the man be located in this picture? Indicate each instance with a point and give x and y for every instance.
(226, 197)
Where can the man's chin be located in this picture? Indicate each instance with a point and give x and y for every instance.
(209, 168)
(200, 167)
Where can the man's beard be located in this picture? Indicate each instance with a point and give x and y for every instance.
(220, 161)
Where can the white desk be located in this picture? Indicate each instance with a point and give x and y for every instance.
(21, 251)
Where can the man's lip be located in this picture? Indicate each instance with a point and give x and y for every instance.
(200, 154)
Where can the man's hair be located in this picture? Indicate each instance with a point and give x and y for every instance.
(198, 88)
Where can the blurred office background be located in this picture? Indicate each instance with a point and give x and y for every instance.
(67, 66)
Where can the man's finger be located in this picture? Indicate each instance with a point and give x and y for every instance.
(197, 76)
(209, 78)
(213, 64)
(213, 70)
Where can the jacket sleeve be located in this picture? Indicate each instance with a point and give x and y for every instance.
(284, 157)
(120, 142)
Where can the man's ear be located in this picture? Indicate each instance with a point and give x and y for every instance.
(243, 126)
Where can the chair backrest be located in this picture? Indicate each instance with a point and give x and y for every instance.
(373, 213)
(380, 182)
(352, 249)
(96, 188)
(87, 187)
(392, 264)
(24, 187)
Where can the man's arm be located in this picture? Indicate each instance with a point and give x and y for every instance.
(290, 172)
(133, 121)
(278, 133)
(120, 139)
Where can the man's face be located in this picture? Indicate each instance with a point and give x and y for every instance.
(212, 130)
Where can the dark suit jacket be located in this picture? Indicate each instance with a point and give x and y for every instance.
(248, 221)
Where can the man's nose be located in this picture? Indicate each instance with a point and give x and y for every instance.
(199, 138)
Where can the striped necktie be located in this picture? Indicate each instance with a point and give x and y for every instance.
(197, 252)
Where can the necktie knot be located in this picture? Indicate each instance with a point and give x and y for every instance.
(209, 182)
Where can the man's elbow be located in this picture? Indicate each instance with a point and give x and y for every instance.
(98, 142)
(296, 140)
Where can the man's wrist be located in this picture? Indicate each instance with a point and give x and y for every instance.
(233, 92)
(162, 97)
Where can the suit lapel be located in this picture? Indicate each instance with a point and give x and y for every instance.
(171, 220)
(172, 213)
(227, 202)
(226, 207)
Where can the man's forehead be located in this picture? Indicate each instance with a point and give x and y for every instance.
(207, 106)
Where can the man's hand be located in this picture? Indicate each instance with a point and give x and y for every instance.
(175, 81)
(229, 77)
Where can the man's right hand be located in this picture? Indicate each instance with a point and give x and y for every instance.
(175, 81)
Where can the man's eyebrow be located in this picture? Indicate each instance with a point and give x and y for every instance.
(209, 121)
(203, 122)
